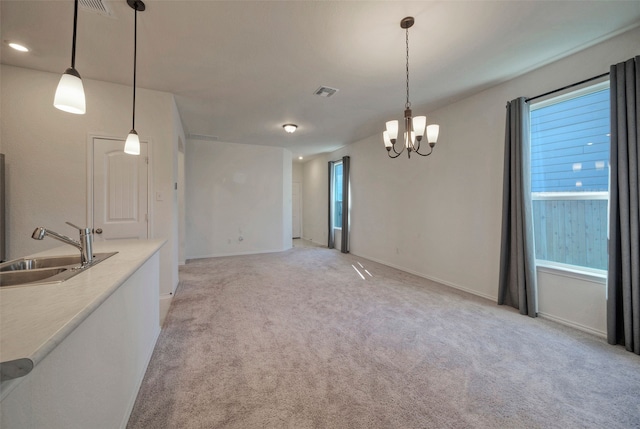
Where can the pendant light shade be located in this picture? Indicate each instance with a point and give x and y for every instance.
(70, 92)
(132, 144)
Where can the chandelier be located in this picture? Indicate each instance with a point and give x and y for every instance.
(415, 128)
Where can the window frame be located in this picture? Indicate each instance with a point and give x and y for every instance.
(333, 197)
(588, 272)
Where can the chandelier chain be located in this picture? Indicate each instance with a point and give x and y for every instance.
(408, 104)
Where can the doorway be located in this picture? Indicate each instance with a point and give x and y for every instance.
(119, 191)
(296, 206)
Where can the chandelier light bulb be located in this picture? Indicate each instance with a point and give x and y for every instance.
(387, 140)
(432, 133)
(409, 142)
(419, 125)
(392, 130)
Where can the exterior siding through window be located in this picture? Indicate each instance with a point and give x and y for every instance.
(570, 179)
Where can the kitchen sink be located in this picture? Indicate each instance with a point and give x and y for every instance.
(35, 263)
(13, 278)
(45, 269)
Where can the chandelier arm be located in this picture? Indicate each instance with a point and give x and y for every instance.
(424, 154)
(391, 156)
(395, 151)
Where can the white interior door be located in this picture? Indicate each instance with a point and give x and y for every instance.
(296, 218)
(120, 191)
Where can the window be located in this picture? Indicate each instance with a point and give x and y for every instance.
(337, 195)
(570, 178)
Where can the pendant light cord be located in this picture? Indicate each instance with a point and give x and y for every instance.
(135, 47)
(408, 104)
(73, 43)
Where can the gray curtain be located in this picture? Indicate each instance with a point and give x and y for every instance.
(517, 286)
(345, 205)
(330, 242)
(623, 280)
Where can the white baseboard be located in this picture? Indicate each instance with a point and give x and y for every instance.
(323, 243)
(571, 324)
(435, 279)
(220, 255)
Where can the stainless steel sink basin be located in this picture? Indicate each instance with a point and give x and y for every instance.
(45, 269)
(35, 263)
(12, 278)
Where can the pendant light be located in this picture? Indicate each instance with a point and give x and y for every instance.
(70, 92)
(132, 144)
(415, 128)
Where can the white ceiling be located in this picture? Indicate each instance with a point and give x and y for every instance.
(242, 69)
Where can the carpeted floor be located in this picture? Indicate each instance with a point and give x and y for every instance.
(299, 340)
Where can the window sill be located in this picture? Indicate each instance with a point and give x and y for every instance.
(581, 273)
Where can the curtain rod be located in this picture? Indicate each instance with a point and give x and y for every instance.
(568, 86)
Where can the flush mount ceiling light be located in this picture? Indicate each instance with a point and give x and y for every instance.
(132, 145)
(414, 127)
(70, 92)
(290, 128)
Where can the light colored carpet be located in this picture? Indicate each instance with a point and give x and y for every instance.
(299, 340)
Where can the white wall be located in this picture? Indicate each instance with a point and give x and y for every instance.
(287, 199)
(297, 171)
(440, 216)
(46, 157)
(297, 174)
(177, 190)
(182, 230)
(238, 199)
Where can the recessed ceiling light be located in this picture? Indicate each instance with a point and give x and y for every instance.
(300, 158)
(290, 127)
(18, 47)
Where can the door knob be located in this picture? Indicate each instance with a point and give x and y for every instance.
(99, 231)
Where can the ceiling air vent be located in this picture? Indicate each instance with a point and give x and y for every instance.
(325, 91)
(96, 6)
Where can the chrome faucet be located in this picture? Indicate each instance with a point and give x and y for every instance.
(85, 245)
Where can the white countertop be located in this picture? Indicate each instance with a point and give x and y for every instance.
(35, 319)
